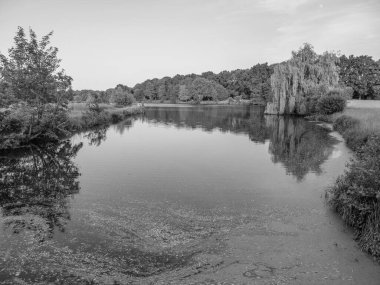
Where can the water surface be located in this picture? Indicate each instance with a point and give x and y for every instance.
(181, 195)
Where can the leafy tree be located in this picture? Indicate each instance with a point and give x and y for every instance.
(30, 77)
(184, 94)
(296, 83)
(149, 92)
(31, 72)
(123, 97)
(361, 73)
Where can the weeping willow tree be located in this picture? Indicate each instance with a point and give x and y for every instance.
(299, 82)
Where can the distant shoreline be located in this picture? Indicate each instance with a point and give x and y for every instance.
(203, 103)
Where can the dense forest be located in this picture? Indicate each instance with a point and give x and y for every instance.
(251, 84)
(361, 73)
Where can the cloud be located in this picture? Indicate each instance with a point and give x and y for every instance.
(282, 6)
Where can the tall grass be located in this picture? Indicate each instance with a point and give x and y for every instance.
(369, 118)
(356, 125)
(356, 194)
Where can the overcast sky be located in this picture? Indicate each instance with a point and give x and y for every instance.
(103, 43)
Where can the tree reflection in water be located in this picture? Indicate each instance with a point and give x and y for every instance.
(299, 145)
(97, 136)
(35, 184)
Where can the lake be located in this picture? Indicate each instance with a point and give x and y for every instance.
(180, 195)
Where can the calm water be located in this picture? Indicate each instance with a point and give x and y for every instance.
(182, 195)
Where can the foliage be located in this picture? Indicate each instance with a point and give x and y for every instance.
(343, 123)
(95, 116)
(31, 71)
(34, 91)
(353, 132)
(356, 195)
(343, 91)
(91, 115)
(253, 84)
(330, 104)
(205, 90)
(123, 98)
(299, 82)
(362, 74)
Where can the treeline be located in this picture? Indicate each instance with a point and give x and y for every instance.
(361, 73)
(250, 84)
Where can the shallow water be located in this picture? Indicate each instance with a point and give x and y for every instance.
(190, 195)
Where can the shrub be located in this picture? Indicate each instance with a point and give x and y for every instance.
(116, 117)
(22, 124)
(95, 117)
(356, 138)
(124, 99)
(330, 104)
(356, 195)
(343, 123)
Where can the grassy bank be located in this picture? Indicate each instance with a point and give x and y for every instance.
(357, 125)
(81, 118)
(356, 194)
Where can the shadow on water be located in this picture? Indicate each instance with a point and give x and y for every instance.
(35, 185)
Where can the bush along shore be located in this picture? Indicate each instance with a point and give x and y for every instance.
(19, 129)
(99, 115)
(35, 95)
(356, 194)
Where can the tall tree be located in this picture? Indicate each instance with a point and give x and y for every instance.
(295, 81)
(30, 76)
(31, 71)
(361, 73)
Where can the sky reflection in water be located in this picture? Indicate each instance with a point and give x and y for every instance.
(142, 197)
